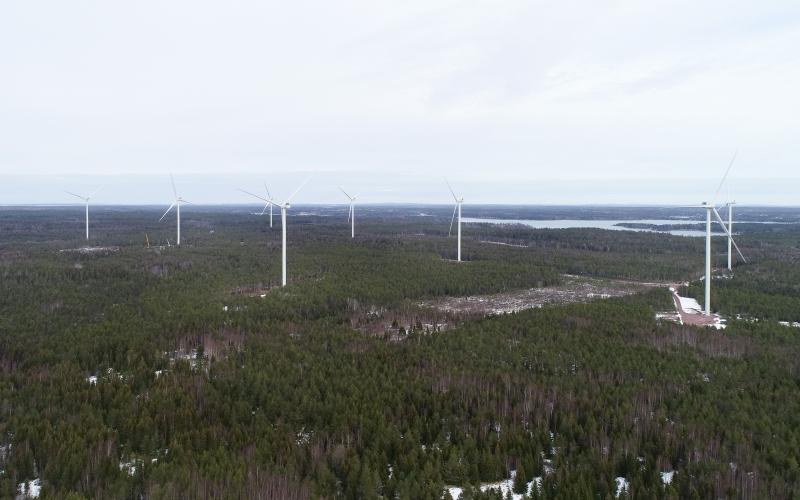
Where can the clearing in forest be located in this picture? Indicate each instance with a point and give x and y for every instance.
(573, 289)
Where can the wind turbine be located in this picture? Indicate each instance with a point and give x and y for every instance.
(86, 200)
(710, 209)
(268, 200)
(459, 202)
(730, 205)
(177, 205)
(351, 215)
(284, 207)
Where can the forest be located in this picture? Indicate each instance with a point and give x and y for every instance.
(131, 368)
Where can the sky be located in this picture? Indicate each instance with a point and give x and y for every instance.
(512, 101)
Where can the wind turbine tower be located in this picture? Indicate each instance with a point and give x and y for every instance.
(176, 203)
(711, 209)
(86, 201)
(730, 232)
(351, 214)
(284, 207)
(459, 202)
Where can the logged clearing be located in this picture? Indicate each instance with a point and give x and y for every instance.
(573, 289)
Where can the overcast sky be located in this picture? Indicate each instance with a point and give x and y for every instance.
(514, 101)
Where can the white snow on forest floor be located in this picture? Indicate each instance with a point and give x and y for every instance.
(670, 316)
(666, 477)
(622, 485)
(30, 489)
(690, 305)
(109, 374)
(794, 324)
(130, 467)
(504, 487)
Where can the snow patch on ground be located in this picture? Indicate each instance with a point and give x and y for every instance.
(130, 467)
(304, 437)
(691, 312)
(793, 324)
(669, 316)
(666, 477)
(690, 305)
(504, 487)
(109, 374)
(30, 489)
(622, 485)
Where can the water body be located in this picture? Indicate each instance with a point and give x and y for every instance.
(611, 225)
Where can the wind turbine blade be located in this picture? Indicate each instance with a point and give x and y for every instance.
(254, 195)
(296, 191)
(451, 190)
(76, 195)
(165, 213)
(187, 202)
(724, 227)
(174, 189)
(724, 178)
(269, 195)
(95, 191)
(450, 231)
(265, 209)
(345, 193)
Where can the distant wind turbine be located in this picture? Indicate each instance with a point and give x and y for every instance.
(351, 215)
(459, 202)
(730, 205)
(268, 200)
(177, 205)
(86, 200)
(284, 207)
(710, 209)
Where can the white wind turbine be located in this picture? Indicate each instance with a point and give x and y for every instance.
(284, 207)
(730, 205)
(86, 200)
(459, 202)
(711, 209)
(269, 201)
(177, 205)
(351, 215)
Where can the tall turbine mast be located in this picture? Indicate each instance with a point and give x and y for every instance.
(176, 203)
(457, 208)
(86, 201)
(730, 205)
(351, 214)
(711, 209)
(284, 207)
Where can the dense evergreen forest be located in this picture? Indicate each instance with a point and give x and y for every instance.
(137, 369)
